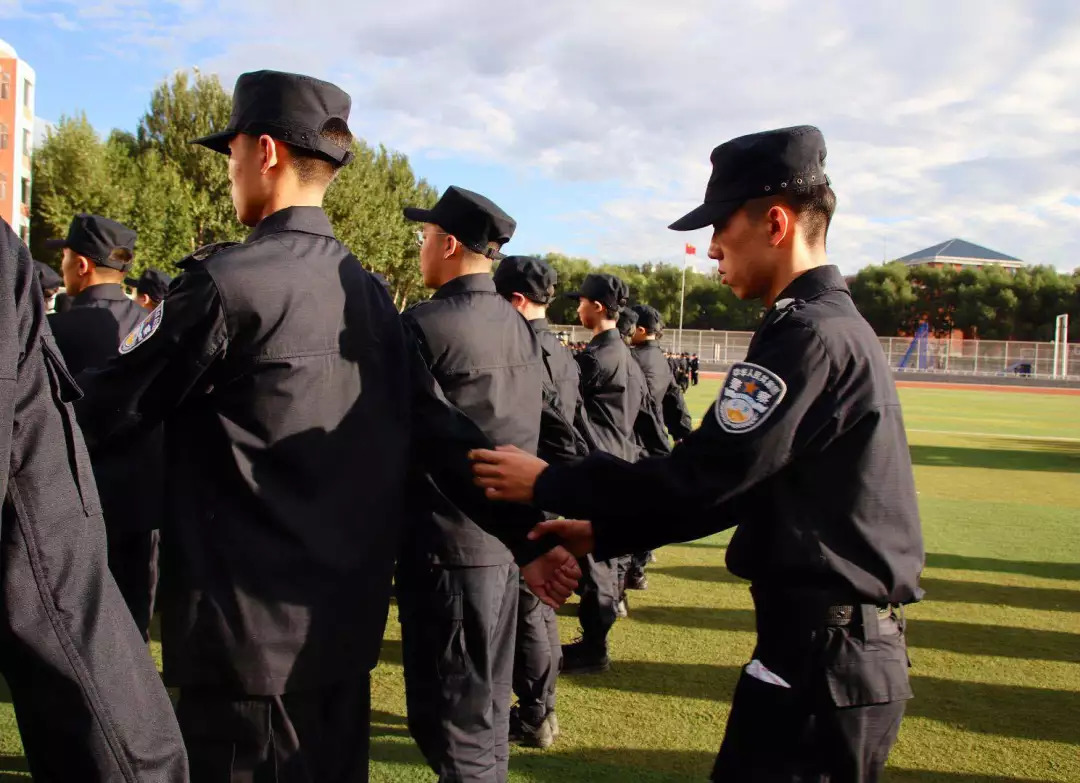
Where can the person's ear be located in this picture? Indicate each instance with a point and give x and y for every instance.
(268, 153)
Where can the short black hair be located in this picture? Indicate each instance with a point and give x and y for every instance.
(312, 167)
(814, 207)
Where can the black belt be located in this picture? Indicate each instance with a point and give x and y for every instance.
(844, 615)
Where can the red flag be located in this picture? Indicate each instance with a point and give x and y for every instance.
(691, 250)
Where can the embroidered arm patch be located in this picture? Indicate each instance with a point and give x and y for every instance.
(143, 331)
(748, 397)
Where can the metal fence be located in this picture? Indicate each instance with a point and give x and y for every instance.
(988, 358)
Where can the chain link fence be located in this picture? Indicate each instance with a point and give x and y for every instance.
(946, 356)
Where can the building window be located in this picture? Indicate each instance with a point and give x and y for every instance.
(28, 94)
(26, 142)
(3, 186)
(3, 136)
(26, 190)
(5, 86)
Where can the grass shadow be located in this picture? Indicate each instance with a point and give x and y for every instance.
(387, 724)
(391, 652)
(995, 565)
(982, 708)
(964, 638)
(13, 764)
(893, 775)
(1020, 596)
(700, 573)
(1056, 460)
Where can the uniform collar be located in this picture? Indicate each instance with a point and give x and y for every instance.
(466, 284)
(113, 292)
(606, 336)
(540, 325)
(310, 220)
(813, 283)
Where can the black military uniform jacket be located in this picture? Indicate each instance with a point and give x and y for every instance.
(294, 403)
(663, 391)
(90, 331)
(555, 443)
(130, 478)
(605, 394)
(489, 364)
(804, 450)
(79, 672)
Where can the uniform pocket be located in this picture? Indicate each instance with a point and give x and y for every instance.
(864, 674)
(448, 621)
(66, 391)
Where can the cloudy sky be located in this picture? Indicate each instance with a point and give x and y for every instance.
(591, 121)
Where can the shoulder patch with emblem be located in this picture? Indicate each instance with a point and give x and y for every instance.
(144, 331)
(748, 397)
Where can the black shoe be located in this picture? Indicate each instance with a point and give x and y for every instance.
(637, 581)
(582, 658)
(528, 735)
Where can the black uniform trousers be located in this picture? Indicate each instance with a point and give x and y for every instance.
(317, 736)
(133, 562)
(600, 589)
(841, 715)
(457, 637)
(537, 657)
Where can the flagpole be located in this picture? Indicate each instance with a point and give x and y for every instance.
(682, 296)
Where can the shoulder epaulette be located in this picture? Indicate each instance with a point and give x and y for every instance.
(205, 252)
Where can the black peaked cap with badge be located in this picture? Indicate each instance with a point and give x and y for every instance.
(289, 107)
(755, 166)
(96, 237)
(649, 318)
(533, 278)
(606, 289)
(153, 282)
(472, 219)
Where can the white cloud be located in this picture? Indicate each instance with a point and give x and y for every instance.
(943, 119)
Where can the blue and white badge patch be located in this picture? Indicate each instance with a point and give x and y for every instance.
(748, 397)
(144, 331)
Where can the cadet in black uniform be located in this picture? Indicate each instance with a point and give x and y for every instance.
(294, 402)
(89, 702)
(695, 367)
(665, 397)
(457, 585)
(97, 253)
(805, 451)
(529, 285)
(612, 403)
(150, 288)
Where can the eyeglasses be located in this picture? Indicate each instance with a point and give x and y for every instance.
(421, 235)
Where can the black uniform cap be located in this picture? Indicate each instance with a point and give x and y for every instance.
(628, 321)
(469, 217)
(47, 276)
(756, 166)
(533, 278)
(608, 290)
(649, 318)
(288, 107)
(153, 282)
(96, 237)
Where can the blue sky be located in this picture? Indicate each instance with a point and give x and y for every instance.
(592, 123)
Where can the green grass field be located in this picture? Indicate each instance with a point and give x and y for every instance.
(995, 647)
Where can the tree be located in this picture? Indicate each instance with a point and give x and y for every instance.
(180, 111)
(75, 172)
